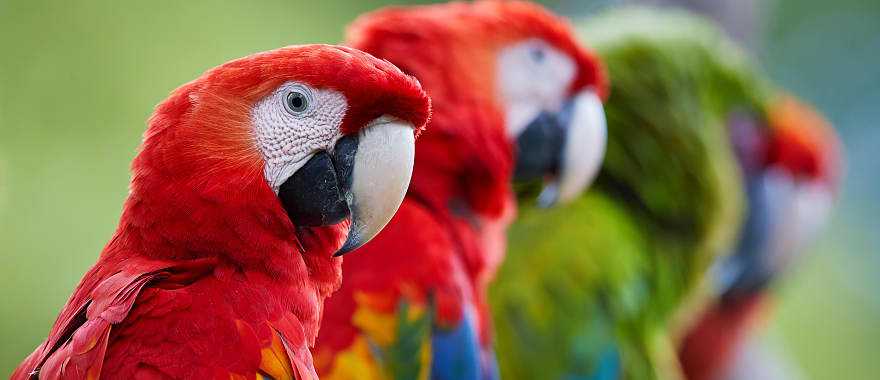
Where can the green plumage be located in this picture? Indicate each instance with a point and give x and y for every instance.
(610, 272)
(402, 360)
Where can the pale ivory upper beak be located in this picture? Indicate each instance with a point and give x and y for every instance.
(383, 167)
(583, 151)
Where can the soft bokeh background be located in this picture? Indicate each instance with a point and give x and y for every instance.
(78, 79)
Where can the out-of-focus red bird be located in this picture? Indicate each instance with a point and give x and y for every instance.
(792, 169)
(249, 182)
(513, 95)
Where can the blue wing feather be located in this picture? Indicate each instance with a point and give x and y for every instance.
(456, 352)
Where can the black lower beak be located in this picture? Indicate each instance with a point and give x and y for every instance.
(319, 193)
(541, 144)
(539, 148)
(750, 268)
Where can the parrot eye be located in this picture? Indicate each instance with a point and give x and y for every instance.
(297, 102)
(537, 55)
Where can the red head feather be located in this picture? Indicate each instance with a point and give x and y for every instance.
(803, 142)
(210, 116)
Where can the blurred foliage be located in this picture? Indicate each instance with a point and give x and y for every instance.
(78, 80)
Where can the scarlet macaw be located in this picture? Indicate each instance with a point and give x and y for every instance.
(249, 182)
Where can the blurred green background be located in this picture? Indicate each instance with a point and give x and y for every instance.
(78, 80)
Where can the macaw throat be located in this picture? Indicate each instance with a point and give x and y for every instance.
(541, 144)
(319, 193)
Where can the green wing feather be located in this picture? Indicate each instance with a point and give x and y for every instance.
(402, 360)
(404, 356)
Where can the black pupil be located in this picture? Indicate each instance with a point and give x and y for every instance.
(296, 101)
(538, 55)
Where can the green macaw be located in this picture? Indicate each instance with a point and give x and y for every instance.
(598, 289)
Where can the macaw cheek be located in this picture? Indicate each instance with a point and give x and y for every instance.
(801, 208)
(381, 174)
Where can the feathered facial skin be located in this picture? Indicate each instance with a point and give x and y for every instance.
(513, 93)
(792, 172)
(249, 181)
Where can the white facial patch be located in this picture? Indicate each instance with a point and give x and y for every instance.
(802, 209)
(289, 135)
(532, 77)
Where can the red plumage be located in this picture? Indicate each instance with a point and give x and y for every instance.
(710, 346)
(803, 143)
(448, 237)
(206, 276)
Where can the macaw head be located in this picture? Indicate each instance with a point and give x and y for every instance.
(515, 95)
(304, 149)
(792, 171)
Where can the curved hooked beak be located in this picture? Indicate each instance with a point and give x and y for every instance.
(364, 178)
(564, 149)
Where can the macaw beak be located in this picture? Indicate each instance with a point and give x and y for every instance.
(565, 149)
(785, 214)
(364, 178)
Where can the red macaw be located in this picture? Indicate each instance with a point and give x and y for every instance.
(792, 172)
(508, 80)
(249, 182)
